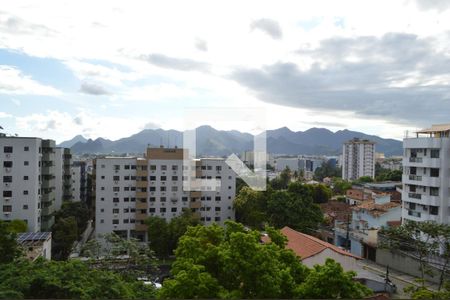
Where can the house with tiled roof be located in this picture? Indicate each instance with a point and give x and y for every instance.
(368, 218)
(312, 250)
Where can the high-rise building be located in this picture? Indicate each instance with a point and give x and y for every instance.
(426, 175)
(27, 187)
(63, 175)
(358, 159)
(130, 189)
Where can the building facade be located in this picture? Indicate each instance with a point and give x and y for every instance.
(27, 188)
(358, 159)
(426, 177)
(130, 189)
(63, 190)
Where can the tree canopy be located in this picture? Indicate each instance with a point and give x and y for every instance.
(231, 262)
(327, 169)
(9, 249)
(292, 207)
(72, 279)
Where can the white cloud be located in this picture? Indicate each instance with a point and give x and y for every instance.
(13, 81)
(5, 115)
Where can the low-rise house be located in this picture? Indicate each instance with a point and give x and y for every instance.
(360, 235)
(36, 244)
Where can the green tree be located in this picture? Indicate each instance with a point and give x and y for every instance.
(72, 279)
(78, 210)
(331, 282)
(340, 186)
(320, 193)
(9, 249)
(327, 169)
(231, 262)
(364, 179)
(158, 236)
(64, 234)
(250, 207)
(179, 225)
(282, 181)
(17, 226)
(294, 208)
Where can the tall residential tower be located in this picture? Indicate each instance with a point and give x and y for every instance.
(358, 159)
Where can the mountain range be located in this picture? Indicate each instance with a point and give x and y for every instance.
(212, 142)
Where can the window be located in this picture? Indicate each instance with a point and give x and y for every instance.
(174, 189)
(116, 189)
(133, 177)
(116, 200)
(7, 149)
(126, 167)
(7, 178)
(102, 188)
(132, 199)
(434, 210)
(103, 177)
(218, 168)
(126, 210)
(217, 208)
(163, 178)
(153, 167)
(173, 209)
(133, 167)
(152, 178)
(174, 178)
(174, 167)
(102, 199)
(115, 210)
(163, 199)
(434, 172)
(25, 177)
(116, 167)
(25, 206)
(26, 148)
(184, 199)
(218, 198)
(132, 221)
(115, 222)
(102, 221)
(7, 164)
(126, 221)
(162, 209)
(163, 168)
(7, 208)
(25, 192)
(116, 178)
(412, 206)
(152, 199)
(127, 188)
(434, 153)
(209, 168)
(434, 191)
(151, 210)
(102, 210)
(7, 193)
(217, 219)
(126, 177)
(152, 189)
(162, 189)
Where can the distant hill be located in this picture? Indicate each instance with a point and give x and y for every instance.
(70, 143)
(212, 142)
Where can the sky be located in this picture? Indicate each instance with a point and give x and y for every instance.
(113, 68)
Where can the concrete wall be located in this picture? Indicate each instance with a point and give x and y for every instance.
(404, 263)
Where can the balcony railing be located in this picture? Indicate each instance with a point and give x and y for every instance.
(415, 159)
(415, 177)
(415, 195)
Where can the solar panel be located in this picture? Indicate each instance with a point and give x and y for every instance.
(33, 236)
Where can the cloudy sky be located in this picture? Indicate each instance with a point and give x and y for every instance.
(113, 68)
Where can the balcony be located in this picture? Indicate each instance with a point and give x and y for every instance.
(140, 227)
(415, 177)
(196, 194)
(141, 216)
(47, 170)
(141, 205)
(196, 204)
(141, 195)
(141, 184)
(422, 162)
(141, 173)
(47, 184)
(415, 195)
(416, 159)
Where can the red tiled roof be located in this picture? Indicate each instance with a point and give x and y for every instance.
(306, 245)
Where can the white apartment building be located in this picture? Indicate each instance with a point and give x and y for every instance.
(426, 177)
(358, 159)
(129, 190)
(76, 183)
(27, 181)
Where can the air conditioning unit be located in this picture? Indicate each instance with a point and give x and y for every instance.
(115, 204)
(7, 184)
(7, 170)
(7, 155)
(7, 214)
(7, 199)
(116, 181)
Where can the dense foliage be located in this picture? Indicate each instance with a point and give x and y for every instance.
(327, 169)
(292, 207)
(9, 249)
(320, 193)
(231, 262)
(66, 280)
(163, 236)
(70, 222)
